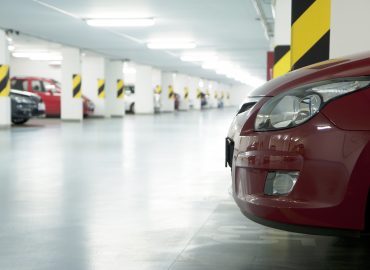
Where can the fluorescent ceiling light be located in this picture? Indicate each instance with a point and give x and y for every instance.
(199, 57)
(144, 22)
(171, 44)
(11, 48)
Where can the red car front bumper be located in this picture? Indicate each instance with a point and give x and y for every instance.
(334, 173)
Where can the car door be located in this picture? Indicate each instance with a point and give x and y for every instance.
(54, 96)
(37, 87)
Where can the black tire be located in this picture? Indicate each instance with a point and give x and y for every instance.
(19, 121)
(132, 108)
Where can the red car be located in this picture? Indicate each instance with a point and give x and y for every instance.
(299, 150)
(49, 90)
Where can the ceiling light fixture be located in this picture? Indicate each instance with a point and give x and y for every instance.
(134, 22)
(171, 44)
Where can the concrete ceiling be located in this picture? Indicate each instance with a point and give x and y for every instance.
(229, 28)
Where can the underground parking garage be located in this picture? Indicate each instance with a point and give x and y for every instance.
(184, 134)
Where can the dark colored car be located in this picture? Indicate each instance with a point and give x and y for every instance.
(49, 90)
(25, 105)
(299, 149)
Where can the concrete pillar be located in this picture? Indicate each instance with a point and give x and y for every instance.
(193, 100)
(157, 89)
(72, 85)
(5, 104)
(144, 101)
(282, 57)
(168, 101)
(349, 29)
(182, 88)
(114, 102)
(94, 87)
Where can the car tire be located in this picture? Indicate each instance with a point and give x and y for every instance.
(132, 108)
(19, 121)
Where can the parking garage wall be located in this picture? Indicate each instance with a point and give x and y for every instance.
(25, 67)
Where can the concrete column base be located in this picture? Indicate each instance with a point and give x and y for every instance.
(5, 112)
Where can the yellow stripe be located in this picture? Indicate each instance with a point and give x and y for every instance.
(75, 83)
(309, 28)
(101, 83)
(120, 87)
(4, 80)
(282, 66)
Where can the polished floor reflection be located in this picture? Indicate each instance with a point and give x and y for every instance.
(143, 192)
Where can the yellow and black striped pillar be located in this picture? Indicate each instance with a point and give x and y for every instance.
(171, 92)
(199, 93)
(281, 60)
(158, 89)
(76, 86)
(186, 93)
(101, 88)
(4, 81)
(310, 36)
(120, 92)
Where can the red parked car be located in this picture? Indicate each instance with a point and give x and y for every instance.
(49, 90)
(299, 150)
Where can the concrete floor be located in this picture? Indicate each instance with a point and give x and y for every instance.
(143, 192)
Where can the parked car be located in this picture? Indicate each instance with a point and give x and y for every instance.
(49, 90)
(299, 149)
(25, 105)
(129, 98)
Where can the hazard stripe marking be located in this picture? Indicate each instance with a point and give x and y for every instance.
(101, 88)
(76, 85)
(311, 30)
(4, 81)
(282, 59)
(120, 92)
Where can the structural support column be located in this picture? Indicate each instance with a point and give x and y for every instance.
(310, 32)
(94, 85)
(282, 37)
(71, 97)
(115, 104)
(144, 93)
(167, 97)
(5, 105)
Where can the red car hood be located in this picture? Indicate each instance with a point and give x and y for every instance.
(350, 66)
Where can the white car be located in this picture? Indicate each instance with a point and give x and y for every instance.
(130, 98)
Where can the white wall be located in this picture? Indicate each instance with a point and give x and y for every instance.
(26, 67)
(92, 70)
(238, 93)
(349, 31)
(283, 11)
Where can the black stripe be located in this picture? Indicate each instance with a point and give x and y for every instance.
(101, 89)
(317, 53)
(120, 92)
(299, 7)
(4, 82)
(77, 90)
(280, 51)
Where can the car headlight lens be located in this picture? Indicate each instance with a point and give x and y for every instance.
(297, 106)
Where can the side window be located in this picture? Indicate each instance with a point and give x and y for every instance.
(37, 86)
(19, 84)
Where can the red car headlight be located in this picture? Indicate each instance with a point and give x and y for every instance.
(297, 106)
